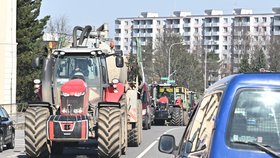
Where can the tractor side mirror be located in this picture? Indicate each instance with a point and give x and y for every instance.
(119, 61)
(36, 62)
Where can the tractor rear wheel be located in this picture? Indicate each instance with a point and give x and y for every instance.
(177, 117)
(109, 132)
(36, 144)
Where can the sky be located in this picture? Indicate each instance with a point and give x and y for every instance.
(97, 12)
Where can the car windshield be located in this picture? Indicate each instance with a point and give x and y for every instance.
(256, 118)
(70, 67)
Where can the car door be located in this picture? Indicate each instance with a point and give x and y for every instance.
(198, 136)
(3, 124)
(9, 124)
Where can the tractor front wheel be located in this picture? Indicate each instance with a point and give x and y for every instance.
(36, 144)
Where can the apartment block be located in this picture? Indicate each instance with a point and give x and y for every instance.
(214, 31)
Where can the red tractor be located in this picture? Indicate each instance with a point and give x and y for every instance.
(77, 101)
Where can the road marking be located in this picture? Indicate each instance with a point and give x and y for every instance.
(154, 142)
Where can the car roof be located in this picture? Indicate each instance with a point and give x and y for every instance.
(266, 79)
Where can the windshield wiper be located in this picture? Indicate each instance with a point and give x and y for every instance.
(262, 147)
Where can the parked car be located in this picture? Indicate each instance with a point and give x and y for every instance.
(147, 112)
(238, 116)
(7, 130)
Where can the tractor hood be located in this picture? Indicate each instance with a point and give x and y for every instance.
(74, 87)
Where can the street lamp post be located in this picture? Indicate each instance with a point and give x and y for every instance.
(205, 70)
(169, 56)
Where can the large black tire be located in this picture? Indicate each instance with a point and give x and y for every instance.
(11, 145)
(177, 117)
(146, 124)
(36, 144)
(185, 117)
(1, 142)
(109, 132)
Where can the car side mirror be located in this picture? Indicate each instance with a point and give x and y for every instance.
(167, 144)
(119, 61)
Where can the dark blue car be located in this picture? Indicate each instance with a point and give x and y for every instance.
(238, 117)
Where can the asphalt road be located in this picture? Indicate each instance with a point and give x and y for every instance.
(147, 149)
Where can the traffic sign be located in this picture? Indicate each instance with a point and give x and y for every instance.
(171, 81)
(164, 78)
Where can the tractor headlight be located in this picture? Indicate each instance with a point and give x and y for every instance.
(79, 94)
(115, 81)
(144, 112)
(65, 94)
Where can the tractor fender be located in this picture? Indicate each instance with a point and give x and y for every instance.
(114, 94)
(42, 104)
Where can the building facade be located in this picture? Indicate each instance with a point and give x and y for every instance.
(214, 31)
(8, 55)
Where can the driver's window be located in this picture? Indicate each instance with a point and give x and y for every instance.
(63, 68)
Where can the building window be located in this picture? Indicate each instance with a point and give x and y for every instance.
(225, 29)
(126, 22)
(256, 19)
(126, 31)
(256, 29)
(158, 22)
(126, 39)
(126, 47)
(264, 29)
(225, 38)
(196, 21)
(226, 20)
(196, 30)
(226, 47)
(264, 19)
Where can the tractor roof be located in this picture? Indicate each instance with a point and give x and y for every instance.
(80, 50)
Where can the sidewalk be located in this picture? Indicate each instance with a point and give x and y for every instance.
(19, 119)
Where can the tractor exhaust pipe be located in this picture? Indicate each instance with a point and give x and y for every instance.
(85, 33)
(76, 28)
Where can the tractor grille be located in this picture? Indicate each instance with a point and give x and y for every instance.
(72, 104)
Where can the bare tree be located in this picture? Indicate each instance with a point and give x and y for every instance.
(60, 30)
(274, 54)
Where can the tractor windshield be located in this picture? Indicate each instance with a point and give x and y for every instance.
(169, 91)
(83, 67)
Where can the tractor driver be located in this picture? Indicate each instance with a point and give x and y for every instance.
(164, 98)
(78, 73)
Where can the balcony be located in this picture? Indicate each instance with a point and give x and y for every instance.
(136, 26)
(215, 33)
(117, 26)
(186, 33)
(149, 26)
(136, 34)
(117, 35)
(276, 32)
(149, 35)
(175, 25)
(207, 33)
(187, 25)
(215, 24)
(276, 23)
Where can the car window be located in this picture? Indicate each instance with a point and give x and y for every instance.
(5, 113)
(200, 129)
(255, 118)
(2, 114)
